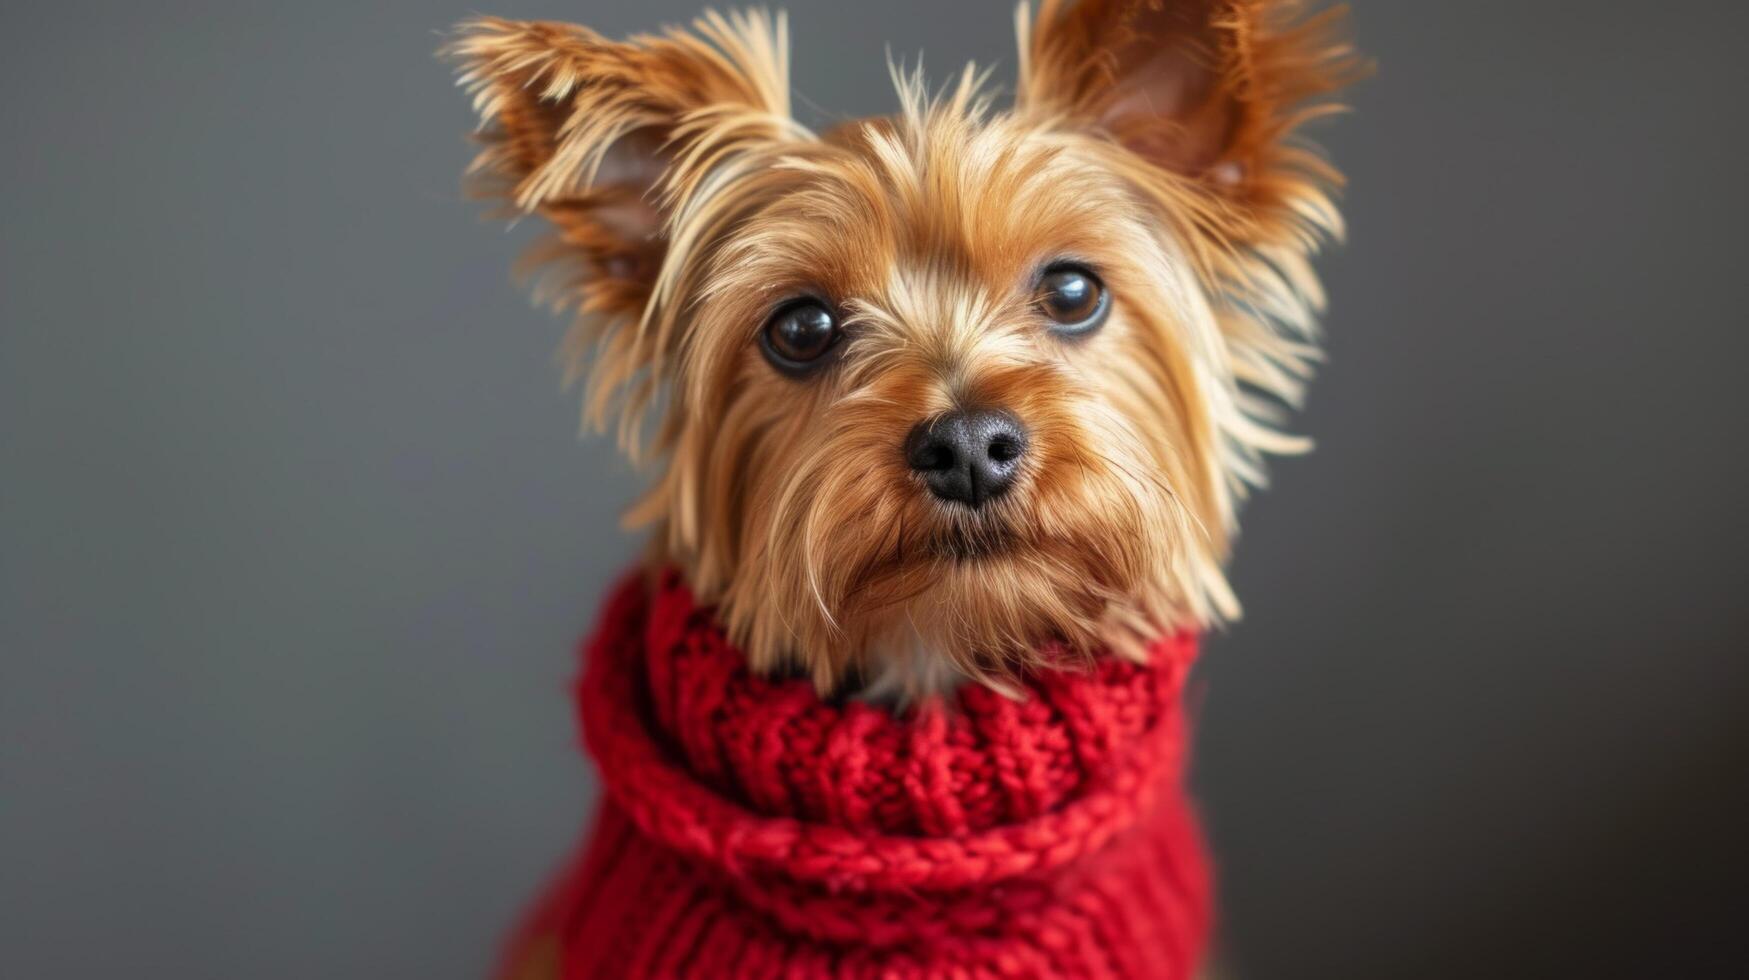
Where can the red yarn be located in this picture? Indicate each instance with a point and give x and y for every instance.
(749, 828)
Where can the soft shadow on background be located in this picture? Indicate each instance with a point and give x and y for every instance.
(296, 534)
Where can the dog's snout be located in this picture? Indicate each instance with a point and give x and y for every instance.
(970, 457)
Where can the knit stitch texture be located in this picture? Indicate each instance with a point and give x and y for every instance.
(749, 828)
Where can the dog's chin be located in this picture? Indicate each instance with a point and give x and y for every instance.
(992, 585)
(961, 542)
(991, 592)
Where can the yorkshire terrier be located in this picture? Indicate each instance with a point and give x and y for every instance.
(932, 392)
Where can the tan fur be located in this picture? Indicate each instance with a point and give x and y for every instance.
(1150, 141)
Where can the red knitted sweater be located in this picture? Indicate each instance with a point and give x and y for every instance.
(749, 828)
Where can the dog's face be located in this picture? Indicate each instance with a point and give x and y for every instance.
(938, 390)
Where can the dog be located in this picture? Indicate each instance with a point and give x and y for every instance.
(934, 386)
(944, 397)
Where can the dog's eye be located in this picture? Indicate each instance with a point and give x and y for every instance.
(1074, 299)
(798, 337)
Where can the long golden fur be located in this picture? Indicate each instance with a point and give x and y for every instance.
(1151, 141)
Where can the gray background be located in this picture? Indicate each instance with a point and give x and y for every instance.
(296, 534)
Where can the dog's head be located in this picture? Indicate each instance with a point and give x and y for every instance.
(951, 386)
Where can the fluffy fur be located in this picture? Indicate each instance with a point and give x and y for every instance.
(1151, 141)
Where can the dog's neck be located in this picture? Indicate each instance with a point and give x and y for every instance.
(907, 671)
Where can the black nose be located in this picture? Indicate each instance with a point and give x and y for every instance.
(969, 457)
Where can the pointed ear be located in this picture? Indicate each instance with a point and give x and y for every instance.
(606, 139)
(1206, 89)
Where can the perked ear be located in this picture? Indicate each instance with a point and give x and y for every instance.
(609, 140)
(1205, 89)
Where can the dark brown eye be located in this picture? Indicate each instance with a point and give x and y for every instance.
(797, 337)
(1074, 299)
